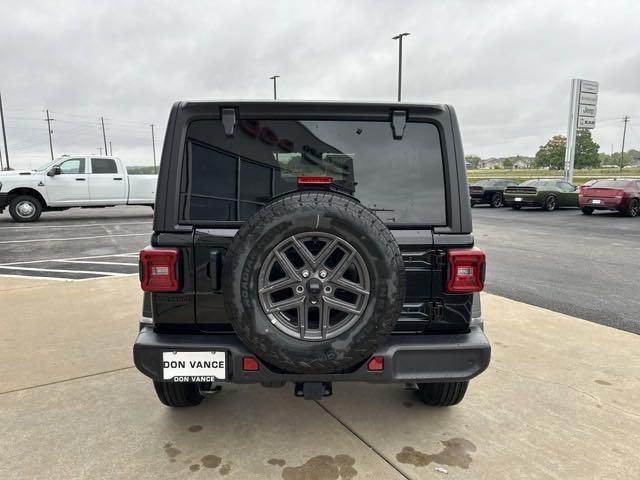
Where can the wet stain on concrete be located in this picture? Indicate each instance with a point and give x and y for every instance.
(407, 404)
(279, 462)
(225, 469)
(323, 467)
(602, 382)
(195, 428)
(172, 460)
(456, 453)
(211, 461)
(195, 467)
(171, 451)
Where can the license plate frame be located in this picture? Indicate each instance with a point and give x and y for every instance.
(190, 366)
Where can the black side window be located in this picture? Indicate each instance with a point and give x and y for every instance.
(103, 165)
(225, 187)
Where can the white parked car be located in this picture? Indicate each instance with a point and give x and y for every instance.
(73, 181)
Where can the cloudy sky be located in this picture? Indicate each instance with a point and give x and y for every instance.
(505, 65)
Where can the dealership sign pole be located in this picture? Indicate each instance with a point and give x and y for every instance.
(582, 114)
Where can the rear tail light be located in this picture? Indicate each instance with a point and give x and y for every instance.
(466, 270)
(376, 364)
(619, 193)
(315, 180)
(159, 270)
(250, 364)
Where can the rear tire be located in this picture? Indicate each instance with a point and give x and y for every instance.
(25, 208)
(633, 209)
(496, 200)
(178, 394)
(587, 210)
(550, 203)
(443, 394)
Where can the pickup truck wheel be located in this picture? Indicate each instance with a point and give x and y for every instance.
(550, 203)
(313, 282)
(633, 209)
(178, 394)
(442, 394)
(497, 200)
(25, 208)
(587, 210)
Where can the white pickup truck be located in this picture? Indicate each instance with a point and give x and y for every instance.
(73, 181)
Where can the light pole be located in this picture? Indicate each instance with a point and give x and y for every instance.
(275, 92)
(399, 37)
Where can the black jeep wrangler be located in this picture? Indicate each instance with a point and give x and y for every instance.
(311, 243)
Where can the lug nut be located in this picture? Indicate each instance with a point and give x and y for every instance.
(305, 273)
(314, 301)
(300, 289)
(323, 273)
(327, 289)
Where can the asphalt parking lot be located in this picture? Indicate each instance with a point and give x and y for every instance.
(587, 267)
(78, 244)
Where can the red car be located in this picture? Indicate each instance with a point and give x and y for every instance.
(618, 194)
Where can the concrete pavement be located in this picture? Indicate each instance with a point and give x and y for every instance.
(560, 400)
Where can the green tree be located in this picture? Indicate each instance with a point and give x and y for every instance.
(586, 150)
(508, 163)
(552, 153)
(474, 160)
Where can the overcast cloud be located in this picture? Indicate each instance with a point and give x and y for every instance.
(506, 66)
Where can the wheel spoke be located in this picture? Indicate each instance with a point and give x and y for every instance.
(326, 251)
(342, 265)
(279, 285)
(342, 306)
(350, 286)
(287, 266)
(285, 304)
(303, 252)
(325, 309)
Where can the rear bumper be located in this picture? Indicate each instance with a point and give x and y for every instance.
(605, 203)
(525, 202)
(407, 358)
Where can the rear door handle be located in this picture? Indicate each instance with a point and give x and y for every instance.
(80, 179)
(117, 178)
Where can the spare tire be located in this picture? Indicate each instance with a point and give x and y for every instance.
(313, 282)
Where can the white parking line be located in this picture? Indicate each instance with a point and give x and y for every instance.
(74, 238)
(126, 255)
(84, 225)
(33, 269)
(57, 279)
(94, 262)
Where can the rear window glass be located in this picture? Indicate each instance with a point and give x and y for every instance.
(228, 178)
(610, 184)
(103, 165)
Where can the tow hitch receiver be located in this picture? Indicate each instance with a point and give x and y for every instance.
(313, 390)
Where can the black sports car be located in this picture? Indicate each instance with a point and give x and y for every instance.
(489, 190)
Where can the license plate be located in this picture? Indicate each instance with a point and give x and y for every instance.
(518, 199)
(596, 201)
(194, 366)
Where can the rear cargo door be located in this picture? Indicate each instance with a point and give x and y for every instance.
(235, 166)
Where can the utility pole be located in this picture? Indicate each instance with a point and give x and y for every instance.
(625, 119)
(49, 120)
(110, 148)
(104, 137)
(100, 150)
(4, 136)
(153, 144)
(275, 92)
(399, 38)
